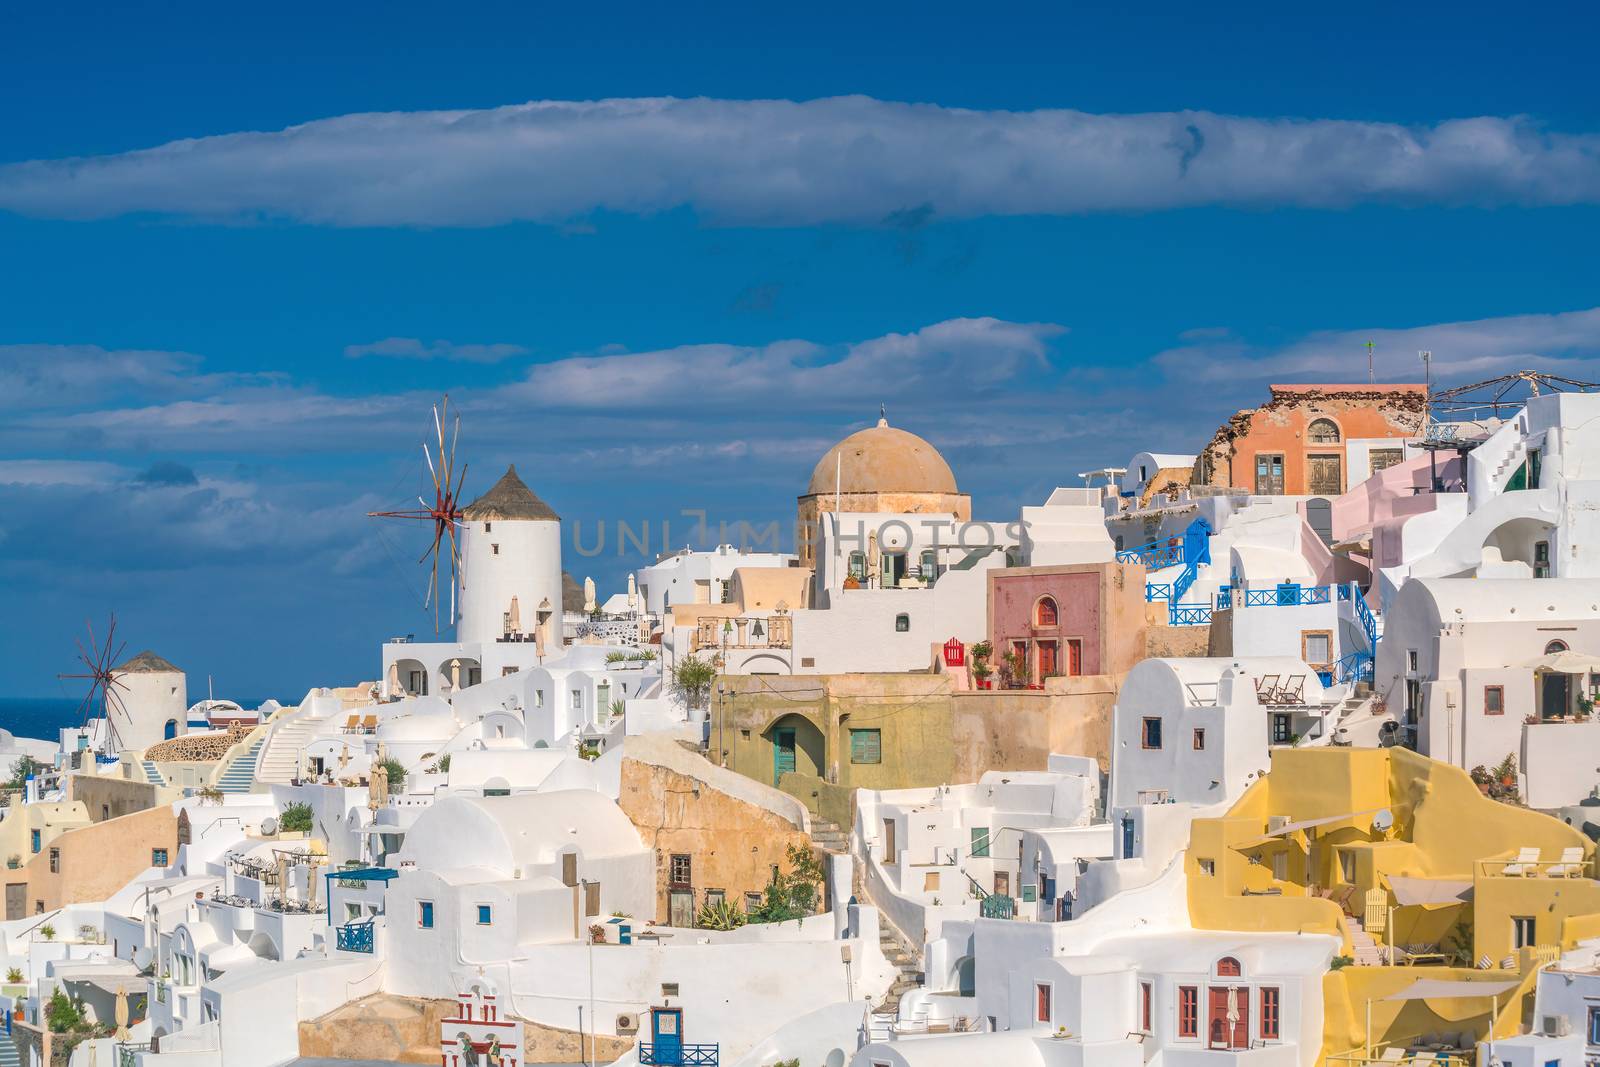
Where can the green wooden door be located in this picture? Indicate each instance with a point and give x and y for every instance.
(782, 753)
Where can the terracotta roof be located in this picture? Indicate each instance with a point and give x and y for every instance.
(147, 662)
(882, 459)
(509, 499)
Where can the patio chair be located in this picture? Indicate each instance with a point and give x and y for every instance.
(1423, 1057)
(1570, 865)
(1267, 689)
(1392, 1054)
(1293, 691)
(1527, 862)
(351, 723)
(369, 724)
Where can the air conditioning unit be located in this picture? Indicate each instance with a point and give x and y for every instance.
(627, 1022)
(1557, 1026)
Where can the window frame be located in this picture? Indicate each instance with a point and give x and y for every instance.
(866, 745)
(1313, 438)
(425, 915)
(1199, 738)
(1189, 1012)
(1305, 647)
(485, 914)
(1269, 1010)
(1147, 997)
(1146, 734)
(1517, 940)
(160, 857)
(1499, 692)
(902, 623)
(685, 862)
(1044, 1002)
(1040, 620)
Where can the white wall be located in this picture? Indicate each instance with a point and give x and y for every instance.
(527, 566)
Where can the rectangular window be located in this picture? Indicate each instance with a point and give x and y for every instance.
(352, 912)
(1541, 559)
(930, 881)
(37, 841)
(681, 873)
(1151, 733)
(980, 841)
(1208, 868)
(752, 901)
(1594, 1026)
(1411, 660)
(1269, 1013)
(577, 700)
(1523, 931)
(1041, 992)
(1269, 475)
(485, 915)
(494, 550)
(55, 861)
(1199, 738)
(715, 898)
(158, 857)
(866, 746)
(538, 698)
(1494, 700)
(425, 914)
(1146, 1001)
(1188, 1011)
(1384, 458)
(1280, 866)
(1316, 647)
(668, 989)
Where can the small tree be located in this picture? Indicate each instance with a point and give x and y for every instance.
(792, 894)
(443, 766)
(64, 1014)
(296, 819)
(397, 773)
(21, 769)
(691, 682)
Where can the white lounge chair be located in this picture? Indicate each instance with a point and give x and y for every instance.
(1526, 863)
(1570, 865)
(1392, 1054)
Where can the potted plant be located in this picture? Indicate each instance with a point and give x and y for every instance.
(597, 933)
(47, 932)
(981, 671)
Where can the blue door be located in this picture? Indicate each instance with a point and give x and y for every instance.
(666, 1033)
(1127, 837)
(782, 753)
(170, 730)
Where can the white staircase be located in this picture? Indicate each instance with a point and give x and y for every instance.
(239, 775)
(280, 760)
(1361, 943)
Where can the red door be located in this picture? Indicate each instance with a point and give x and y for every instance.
(1220, 1033)
(1075, 658)
(1047, 660)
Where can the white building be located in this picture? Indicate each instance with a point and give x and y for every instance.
(690, 577)
(1479, 670)
(149, 703)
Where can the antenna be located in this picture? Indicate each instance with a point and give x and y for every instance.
(1371, 375)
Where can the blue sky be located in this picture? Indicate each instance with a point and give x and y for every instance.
(243, 251)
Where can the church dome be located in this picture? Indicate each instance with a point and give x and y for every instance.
(882, 459)
(509, 499)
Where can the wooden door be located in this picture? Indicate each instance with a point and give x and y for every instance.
(16, 901)
(1048, 660)
(1075, 658)
(1269, 475)
(1324, 475)
(1220, 1033)
(1553, 697)
(591, 898)
(680, 907)
(782, 753)
(889, 849)
(569, 868)
(1002, 883)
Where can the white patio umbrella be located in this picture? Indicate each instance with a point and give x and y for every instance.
(122, 1013)
(514, 617)
(1566, 662)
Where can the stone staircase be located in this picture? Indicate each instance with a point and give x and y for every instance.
(240, 775)
(280, 761)
(904, 961)
(829, 836)
(151, 774)
(1367, 953)
(8, 1052)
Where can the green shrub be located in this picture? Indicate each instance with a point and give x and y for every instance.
(296, 819)
(719, 916)
(690, 684)
(397, 773)
(794, 893)
(14, 975)
(63, 1013)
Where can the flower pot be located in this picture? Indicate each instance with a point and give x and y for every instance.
(985, 683)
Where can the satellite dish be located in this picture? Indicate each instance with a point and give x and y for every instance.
(1383, 820)
(269, 826)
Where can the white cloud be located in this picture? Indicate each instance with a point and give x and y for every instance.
(1462, 352)
(412, 348)
(782, 162)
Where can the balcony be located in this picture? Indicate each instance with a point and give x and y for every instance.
(769, 631)
(355, 937)
(662, 1054)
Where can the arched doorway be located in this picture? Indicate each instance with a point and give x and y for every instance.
(967, 976)
(169, 731)
(798, 746)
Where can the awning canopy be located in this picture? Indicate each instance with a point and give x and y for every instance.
(1429, 892)
(1566, 662)
(1303, 824)
(1439, 988)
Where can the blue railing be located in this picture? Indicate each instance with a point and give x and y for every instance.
(1189, 614)
(1287, 595)
(1363, 613)
(1154, 591)
(996, 906)
(356, 937)
(676, 1055)
(1354, 667)
(1155, 555)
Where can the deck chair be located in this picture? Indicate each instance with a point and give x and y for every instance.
(370, 724)
(1392, 1054)
(1293, 691)
(1570, 865)
(1267, 688)
(1526, 863)
(351, 723)
(1423, 1057)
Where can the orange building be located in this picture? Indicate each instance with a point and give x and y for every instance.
(1313, 440)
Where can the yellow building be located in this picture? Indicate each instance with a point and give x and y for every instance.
(1422, 877)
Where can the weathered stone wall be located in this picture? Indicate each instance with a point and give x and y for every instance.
(1164, 641)
(406, 1030)
(732, 843)
(110, 798)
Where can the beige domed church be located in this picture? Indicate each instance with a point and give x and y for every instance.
(879, 470)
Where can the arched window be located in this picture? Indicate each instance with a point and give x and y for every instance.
(1044, 612)
(1228, 967)
(1554, 647)
(1323, 432)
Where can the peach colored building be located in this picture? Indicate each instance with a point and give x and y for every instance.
(1313, 440)
(92, 862)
